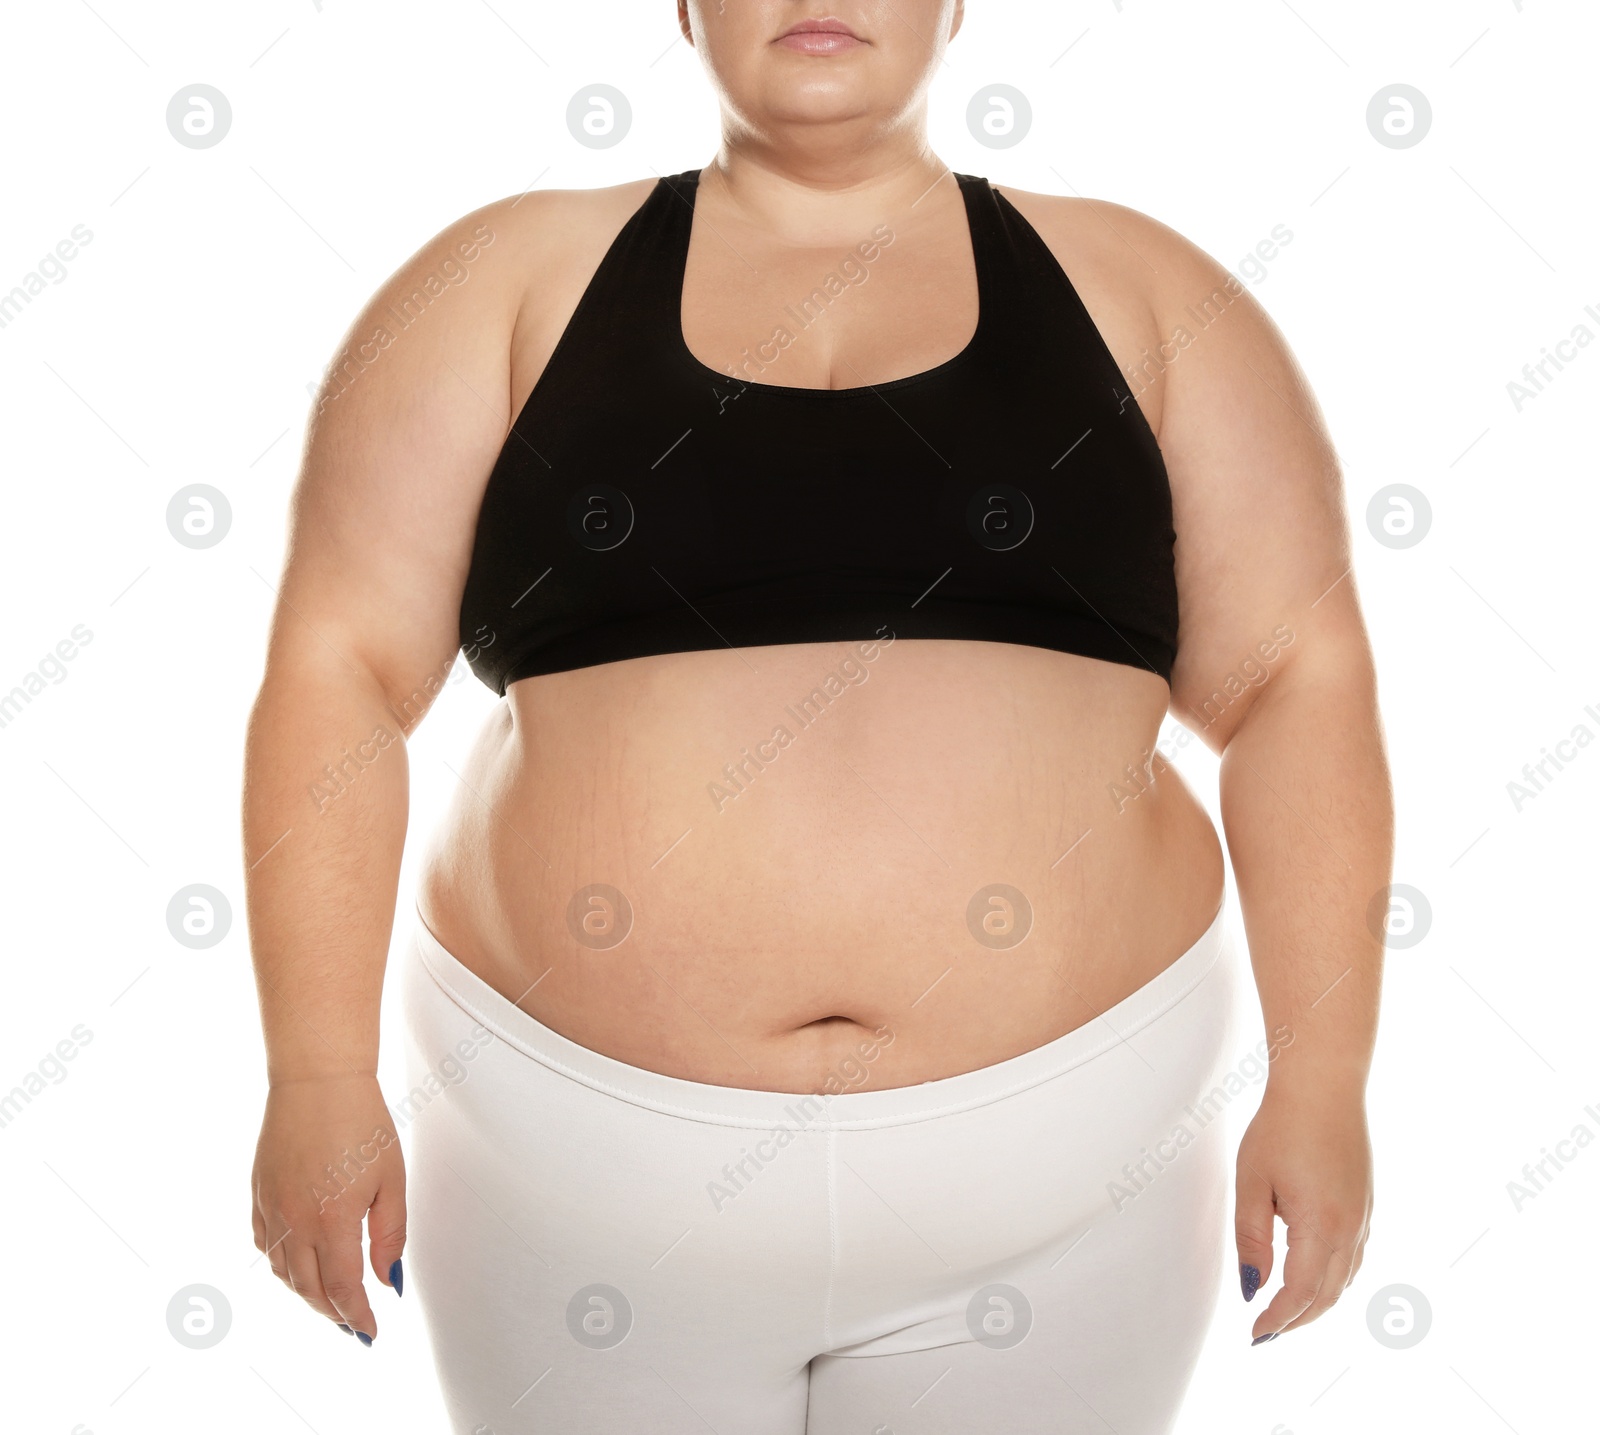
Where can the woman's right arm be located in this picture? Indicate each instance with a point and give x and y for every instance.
(406, 429)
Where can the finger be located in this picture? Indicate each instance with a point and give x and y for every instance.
(339, 1262)
(278, 1232)
(1252, 1228)
(1304, 1267)
(1335, 1276)
(258, 1225)
(1360, 1255)
(305, 1277)
(386, 1230)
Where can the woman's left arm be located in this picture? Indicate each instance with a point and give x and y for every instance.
(1275, 673)
(1307, 813)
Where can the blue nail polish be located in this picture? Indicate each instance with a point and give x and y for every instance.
(363, 1337)
(346, 1329)
(1249, 1281)
(396, 1278)
(1270, 1335)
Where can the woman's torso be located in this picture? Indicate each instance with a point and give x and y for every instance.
(637, 857)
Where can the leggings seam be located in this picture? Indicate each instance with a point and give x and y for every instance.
(833, 1238)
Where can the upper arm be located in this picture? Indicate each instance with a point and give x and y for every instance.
(1263, 547)
(408, 422)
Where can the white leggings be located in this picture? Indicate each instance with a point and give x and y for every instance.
(1035, 1246)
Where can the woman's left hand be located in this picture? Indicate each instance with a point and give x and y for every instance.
(1306, 1158)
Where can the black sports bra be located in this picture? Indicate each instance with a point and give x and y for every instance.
(646, 503)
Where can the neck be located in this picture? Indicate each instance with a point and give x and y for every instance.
(821, 183)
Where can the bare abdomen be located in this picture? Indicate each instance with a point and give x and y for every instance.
(731, 866)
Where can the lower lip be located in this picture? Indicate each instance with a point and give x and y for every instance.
(818, 42)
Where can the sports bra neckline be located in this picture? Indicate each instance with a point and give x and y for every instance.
(683, 228)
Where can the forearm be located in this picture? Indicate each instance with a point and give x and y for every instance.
(1308, 813)
(325, 803)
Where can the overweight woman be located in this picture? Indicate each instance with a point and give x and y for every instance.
(818, 999)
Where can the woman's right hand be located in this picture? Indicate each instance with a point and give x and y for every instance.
(327, 1157)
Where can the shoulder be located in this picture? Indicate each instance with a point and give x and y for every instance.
(1129, 269)
(540, 232)
(1135, 272)
(503, 271)
(1112, 239)
(552, 223)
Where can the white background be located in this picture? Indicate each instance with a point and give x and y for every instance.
(178, 349)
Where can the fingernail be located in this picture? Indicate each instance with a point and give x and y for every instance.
(397, 1278)
(363, 1337)
(1270, 1335)
(1249, 1281)
(346, 1329)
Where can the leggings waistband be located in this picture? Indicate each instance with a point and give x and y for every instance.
(850, 1110)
